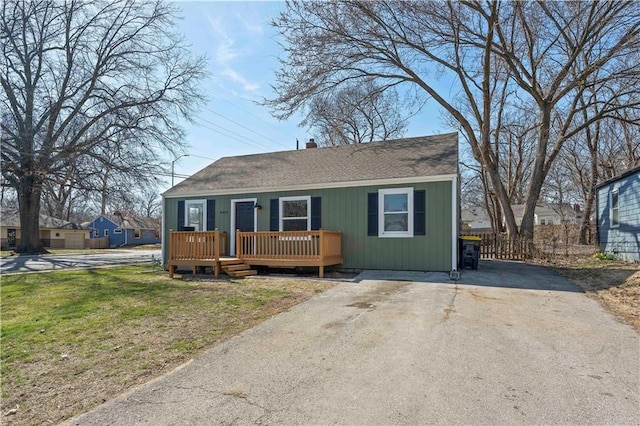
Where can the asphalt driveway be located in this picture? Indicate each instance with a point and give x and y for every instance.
(508, 344)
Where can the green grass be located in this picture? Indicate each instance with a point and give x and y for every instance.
(115, 327)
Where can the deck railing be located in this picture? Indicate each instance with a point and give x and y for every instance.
(289, 245)
(197, 245)
(274, 249)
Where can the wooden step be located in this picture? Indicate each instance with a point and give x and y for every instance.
(243, 273)
(237, 267)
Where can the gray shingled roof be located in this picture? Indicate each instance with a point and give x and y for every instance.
(400, 158)
(12, 219)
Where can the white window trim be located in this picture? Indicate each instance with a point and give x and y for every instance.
(204, 212)
(117, 231)
(611, 225)
(395, 234)
(307, 198)
(106, 232)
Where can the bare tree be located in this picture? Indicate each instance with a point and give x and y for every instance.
(77, 75)
(539, 53)
(149, 203)
(355, 114)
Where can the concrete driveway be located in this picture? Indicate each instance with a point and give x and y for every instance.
(507, 344)
(49, 262)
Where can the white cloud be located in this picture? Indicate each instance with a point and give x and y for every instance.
(249, 24)
(234, 76)
(226, 53)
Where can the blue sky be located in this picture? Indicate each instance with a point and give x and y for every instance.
(243, 53)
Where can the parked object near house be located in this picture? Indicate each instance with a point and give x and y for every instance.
(125, 229)
(54, 233)
(381, 205)
(618, 215)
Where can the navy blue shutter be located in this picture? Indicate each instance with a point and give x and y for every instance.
(211, 215)
(316, 207)
(372, 214)
(419, 225)
(274, 215)
(180, 215)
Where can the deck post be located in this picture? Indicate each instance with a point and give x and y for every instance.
(322, 254)
(238, 244)
(216, 243)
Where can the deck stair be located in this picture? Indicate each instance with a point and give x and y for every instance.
(236, 268)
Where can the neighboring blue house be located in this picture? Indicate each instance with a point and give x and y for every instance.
(125, 229)
(618, 215)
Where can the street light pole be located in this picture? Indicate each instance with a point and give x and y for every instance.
(173, 164)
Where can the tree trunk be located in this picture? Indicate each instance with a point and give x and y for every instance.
(585, 226)
(538, 174)
(29, 189)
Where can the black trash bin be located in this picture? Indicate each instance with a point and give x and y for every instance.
(469, 251)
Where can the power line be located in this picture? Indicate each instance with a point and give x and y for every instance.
(252, 114)
(234, 135)
(246, 128)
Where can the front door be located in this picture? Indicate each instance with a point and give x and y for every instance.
(244, 216)
(244, 220)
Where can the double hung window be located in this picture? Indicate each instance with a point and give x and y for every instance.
(396, 212)
(615, 209)
(195, 214)
(295, 213)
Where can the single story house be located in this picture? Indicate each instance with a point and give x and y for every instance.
(618, 215)
(550, 214)
(125, 229)
(475, 219)
(394, 204)
(54, 233)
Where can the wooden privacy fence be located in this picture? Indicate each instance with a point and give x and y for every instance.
(98, 243)
(502, 246)
(290, 248)
(196, 248)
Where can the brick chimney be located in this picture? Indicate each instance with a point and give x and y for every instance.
(312, 144)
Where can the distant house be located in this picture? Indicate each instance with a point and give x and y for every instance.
(618, 215)
(475, 219)
(550, 214)
(125, 229)
(394, 204)
(54, 233)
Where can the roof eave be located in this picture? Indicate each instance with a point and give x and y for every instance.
(308, 187)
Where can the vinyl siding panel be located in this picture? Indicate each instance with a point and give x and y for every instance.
(624, 239)
(345, 210)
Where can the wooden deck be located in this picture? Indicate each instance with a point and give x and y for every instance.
(272, 249)
(290, 249)
(196, 248)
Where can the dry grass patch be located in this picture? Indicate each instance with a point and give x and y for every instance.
(72, 340)
(616, 285)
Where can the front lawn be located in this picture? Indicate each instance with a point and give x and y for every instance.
(72, 340)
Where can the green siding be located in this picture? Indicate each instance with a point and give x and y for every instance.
(345, 210)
